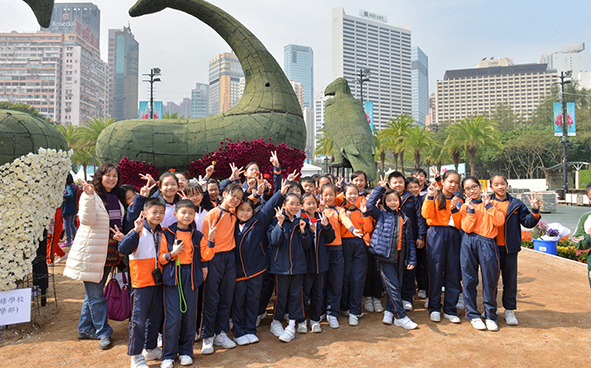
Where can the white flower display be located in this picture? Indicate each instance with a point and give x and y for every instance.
(31, 189)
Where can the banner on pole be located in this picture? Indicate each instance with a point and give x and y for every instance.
(570, 119)
(368, 107)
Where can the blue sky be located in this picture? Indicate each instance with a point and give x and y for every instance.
(454, 34)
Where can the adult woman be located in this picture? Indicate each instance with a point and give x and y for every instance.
(94, 251)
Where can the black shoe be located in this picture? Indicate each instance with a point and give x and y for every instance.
(87, 336)
(105, 343)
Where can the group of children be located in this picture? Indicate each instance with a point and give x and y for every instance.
(204, 265)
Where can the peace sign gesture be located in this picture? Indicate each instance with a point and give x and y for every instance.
(236, 172)
(145, 190)
(432, 190)
(533, 201)
(293, 176)
(383, 183)
(139, 222)
(117, 234)
(148, 178)
(274, 159)
(279, 215)
(435, 172)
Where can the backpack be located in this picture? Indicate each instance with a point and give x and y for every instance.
(78, 194)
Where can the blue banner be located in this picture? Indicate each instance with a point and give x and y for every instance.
(145, 109)
(570, 118)
(368, 107)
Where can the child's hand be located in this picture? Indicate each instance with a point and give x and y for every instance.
(204, 270)
(212, 231)
(293, 176)
(177, 248)
(339, 183)
(410, 267)
(454, 202)
(284, 186)
(139, 222)
(302, 226)
(150, 180)
(324, 221)
(209, 171)
(87, 188)
(358, 233)
(469, 203)
(251, 184)
(363, 205)
(236, 172)
(313, 227)
(382, 183)
(182, 194)
(485, 199)
(274, 159)
(533, 202)
(321, 206)
(280, 216)
(117, 234)
(420, 243)
(435, 172)
(432, 190)
(145, 190)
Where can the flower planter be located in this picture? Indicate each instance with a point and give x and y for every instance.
(545, 246)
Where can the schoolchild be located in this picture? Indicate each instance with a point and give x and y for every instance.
(355, 232)
(411, 207)
(194, 192)
(134, 202)
(219, 286)
(183, 253)
(141, 244)
(509, 239)
(316, 259)
(168, 185)
(213, 188)
(480, 221)
(182, 179)
(421, 176)
(359, 180)
(440, 210)
(288, 239)
(422, 271)
(334, 249)
(252, 261)
(309, 185)
(392, 242)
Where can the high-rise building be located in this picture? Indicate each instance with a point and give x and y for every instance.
(570, 58)
(83, 19)
(310, 132)
(319, 101)
(199, 107)
(430, 119)
(470, 92)
(369, 42)
(300, 92)
(123, 74)
(420, 84)
(185, 108)
(225, 72)
(298, 64)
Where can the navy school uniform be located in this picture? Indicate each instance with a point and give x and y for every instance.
(392, 231)
(146, 296)
(317, 262)
(422, 269)
(288, 264)
(133, 212)
(251, 263)
(411, 207)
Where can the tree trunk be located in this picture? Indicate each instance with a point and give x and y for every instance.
(472, 157)
(383, 159)
(395, 160)
(417, 159)
(85, 176)
(455, 156)
(402, 162)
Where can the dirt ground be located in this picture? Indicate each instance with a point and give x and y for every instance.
(554, 331)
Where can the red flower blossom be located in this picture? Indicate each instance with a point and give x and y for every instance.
(313, 220)
(304, 215)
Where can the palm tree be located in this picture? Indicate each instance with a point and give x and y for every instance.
(82, 154)
(396, 131)
(325, 146)
(471, 135)
(89, 131)
(418, 139)
(436, 155)
(381, 148)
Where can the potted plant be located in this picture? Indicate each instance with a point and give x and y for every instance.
(546, 236)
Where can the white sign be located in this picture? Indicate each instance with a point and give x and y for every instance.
(15, 306)
(373, 16)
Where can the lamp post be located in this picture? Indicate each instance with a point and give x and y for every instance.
(153, 73)
(363, 76)
(564, 140)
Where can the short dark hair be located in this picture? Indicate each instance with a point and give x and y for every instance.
(232, 187)
(69, 179)
(292, 195)
(153, 202)
(308, 179)
(498, 174)
(588, 188)
(294, 184)
(358, 173)
(248, 202)
(325, 177)
(192, 188)
(387, 193)
(329, 186)
(124, 189)
(97, 179)
(167, 175)
(417, 171)
(395, 174)
(412, 179)
(306, 195)
(184, 203)
(212, 181)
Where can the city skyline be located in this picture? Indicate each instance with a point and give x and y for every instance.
(455, 34)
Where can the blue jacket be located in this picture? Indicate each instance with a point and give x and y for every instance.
(382, 237)
(133, 212)
(517, 215)
(69, 203)
(169, 270)
(411, 207)
(288, 246)
(252, 243)
(316, 255)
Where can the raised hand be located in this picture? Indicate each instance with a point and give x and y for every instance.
(211, 235)
(324, 220)
(117, 234)
(363, 205)
(280, 216)
(303, 226)
(251, 184)
(383, 183)
(435, 172)
(209, 171)
(321, 205)
(533, 201)
(284, 186)
(236, 172)
(150, 180)
(485, 199)
(260, 185)
(139, 222)
(293, 176)
(182, 194)
(469, 203)
(339, 183)
(274, 159)
(432, 190)
(145, 190)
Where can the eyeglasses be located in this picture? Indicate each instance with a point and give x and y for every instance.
(235, 197)
(472, 188)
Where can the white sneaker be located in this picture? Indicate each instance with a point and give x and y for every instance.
(167, 363)
(435, 316)
(303, 327)
(242, 340)
(478, 324)
(460, 304)
(368, 303)
(422, 294)
(452, 318)
(207, 346)
(288, 334)
(388, 318)
(407, 305)
(276, 328)
(260, 317)
(185, 360)
(491, 325)
(61, 259)
(333, 321)
(138, 361)
(405, 323)
(353, 320)
(377, 305)
(315, 326)
(510, 318)
(252, 338)
(345, 313)
(322, 317)
(153, 354)
(224, 341)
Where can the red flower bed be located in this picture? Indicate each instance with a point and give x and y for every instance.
(241, 153)
(131, 170)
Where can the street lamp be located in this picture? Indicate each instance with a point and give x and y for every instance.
(363, 76)
(564, 140)
(153, 72)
